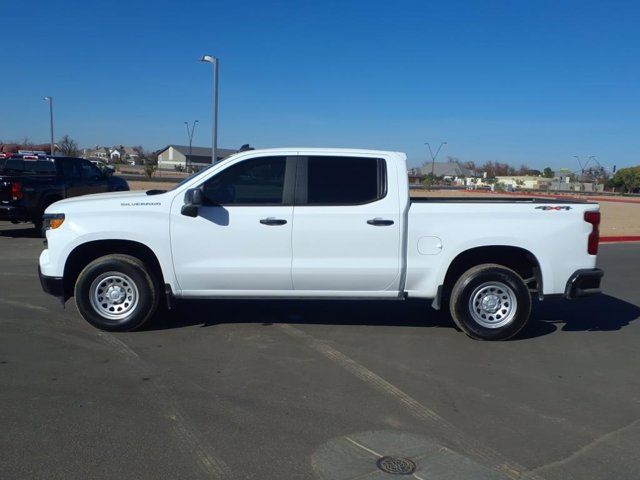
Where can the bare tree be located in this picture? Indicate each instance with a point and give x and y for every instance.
(68, 146)
(142, 155)
(496, 169)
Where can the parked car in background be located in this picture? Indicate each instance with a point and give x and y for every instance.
(29, 183)
(105, 167)
(318, 223)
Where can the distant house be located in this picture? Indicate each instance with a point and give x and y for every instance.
(451, 171)
(113, 154)
(100, 153)
(173, 156)
(125, 154)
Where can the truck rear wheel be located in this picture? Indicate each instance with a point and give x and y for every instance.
(116, 293)
(490, 302)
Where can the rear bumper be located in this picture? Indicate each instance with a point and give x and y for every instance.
(8, 212)
(52, 285)
(583, 282)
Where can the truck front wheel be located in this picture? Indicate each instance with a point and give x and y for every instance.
(116, 293)
(490, 302)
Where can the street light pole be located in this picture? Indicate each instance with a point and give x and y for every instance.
(50, 100)
(433, 157)
(214, 134)
(190, 135)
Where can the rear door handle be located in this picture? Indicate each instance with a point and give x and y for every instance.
(380, 222)
(273, 221)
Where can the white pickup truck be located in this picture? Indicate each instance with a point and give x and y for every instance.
(317, 223)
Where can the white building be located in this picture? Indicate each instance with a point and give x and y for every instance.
(528, 182)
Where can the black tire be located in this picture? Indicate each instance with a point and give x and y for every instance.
(490, 302)
(136, 295)
(38, 227)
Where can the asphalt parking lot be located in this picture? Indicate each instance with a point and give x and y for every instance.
(284, 390)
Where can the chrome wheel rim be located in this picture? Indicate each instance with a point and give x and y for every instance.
(113, 295)
(493, 304)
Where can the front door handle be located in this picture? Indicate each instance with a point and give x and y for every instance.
(273, 221)
(380, 222)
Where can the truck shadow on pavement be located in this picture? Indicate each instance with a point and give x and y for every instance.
(598, 313)
(19, 231)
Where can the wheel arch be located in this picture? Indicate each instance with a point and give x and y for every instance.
(86, 252)
(518, 259)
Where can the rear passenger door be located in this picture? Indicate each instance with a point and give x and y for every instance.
(346, 229)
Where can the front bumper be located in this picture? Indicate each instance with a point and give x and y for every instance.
(52, 285)
(584, 282)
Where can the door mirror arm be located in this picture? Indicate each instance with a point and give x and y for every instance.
(192, 200)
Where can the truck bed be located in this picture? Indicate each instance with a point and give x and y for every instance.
(470, 199)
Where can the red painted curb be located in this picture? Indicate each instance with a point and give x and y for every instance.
(621, 238)
(567, 197)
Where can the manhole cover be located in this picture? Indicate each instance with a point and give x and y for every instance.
(396, 465)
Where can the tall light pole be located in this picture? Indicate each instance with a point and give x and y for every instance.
(190, 135)
(583, 167)
(214, 133)
(433, 157)
(50, 100)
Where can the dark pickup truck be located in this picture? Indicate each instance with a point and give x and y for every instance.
(30, 183)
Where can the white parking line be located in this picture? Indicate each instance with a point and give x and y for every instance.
(30, 306)
(188, 437)
(436, 422)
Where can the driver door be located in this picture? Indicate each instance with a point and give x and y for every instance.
(240, 241)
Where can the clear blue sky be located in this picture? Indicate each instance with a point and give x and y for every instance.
(522, 82)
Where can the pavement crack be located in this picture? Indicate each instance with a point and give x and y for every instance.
(586, 448)
(495, 459)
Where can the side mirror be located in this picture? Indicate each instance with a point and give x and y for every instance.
(192, 200)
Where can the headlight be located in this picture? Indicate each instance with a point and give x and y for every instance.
(51, 221)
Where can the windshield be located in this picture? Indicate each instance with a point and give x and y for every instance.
(195, 175)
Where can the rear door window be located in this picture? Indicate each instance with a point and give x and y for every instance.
(344, 180)
(70, 169)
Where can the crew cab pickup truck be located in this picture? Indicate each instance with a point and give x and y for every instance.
(317, 223)
(30, 183)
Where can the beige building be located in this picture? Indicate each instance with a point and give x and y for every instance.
(176, 156)
(528, 182)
